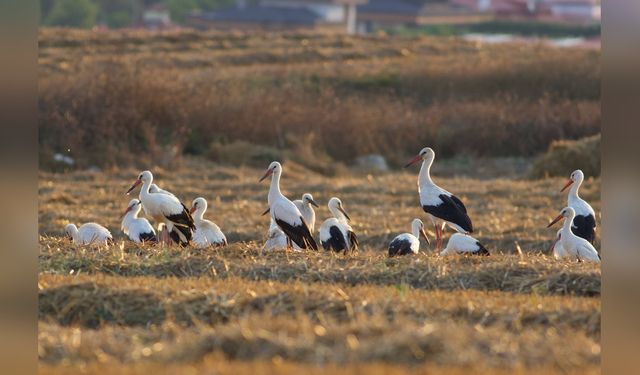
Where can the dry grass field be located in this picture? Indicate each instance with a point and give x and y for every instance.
(237, 310)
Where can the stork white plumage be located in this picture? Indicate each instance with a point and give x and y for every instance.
(584, 224)
(285, 214)
(308, 214)
(460, 243)
(575, 247)
(442, 207)
(335, 233)
(408, 243)
(153, 189)
(207, 233)
(556, 247)
(167, 209)
(137, 228)
(89, 234)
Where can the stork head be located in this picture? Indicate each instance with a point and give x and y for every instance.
(134, 205)
(566, 213)
(274, 167)
(576, 177)
(417, 226)
(143, 177)
(71, 230)
(424, 154)
(335, 204)
(198, 204)
(308, 199)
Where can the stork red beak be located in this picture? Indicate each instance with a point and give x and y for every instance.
(268, 173)
(266, 211)
(344, 213)
(192, 210)
(416, 159)
(138, 182)
(567, 185)
(555, 221)
(424, 235)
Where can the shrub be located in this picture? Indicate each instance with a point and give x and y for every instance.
(563, 157)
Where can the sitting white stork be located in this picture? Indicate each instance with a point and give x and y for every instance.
(286, 215)
(89, 234)
(167, 209)
(408, 243)
(137, 228)
(575, 247)
(335, 233)
(442, 207)
(584, 224)
(207, 233)
(464, 244)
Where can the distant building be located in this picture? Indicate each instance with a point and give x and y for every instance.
(585, 11)
(339, 15)
(156, 17)
(396, 13)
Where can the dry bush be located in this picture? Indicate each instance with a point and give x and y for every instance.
(563, 157)
(134, 98)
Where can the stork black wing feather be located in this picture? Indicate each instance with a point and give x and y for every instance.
(148, 237)
(585, 227)
(399, 247)
(450, 210)
(299, 234)
(336, 241)
(482, 250)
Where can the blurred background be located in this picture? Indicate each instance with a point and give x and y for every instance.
(513, 85)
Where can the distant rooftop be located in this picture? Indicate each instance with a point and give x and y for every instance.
(263, 14)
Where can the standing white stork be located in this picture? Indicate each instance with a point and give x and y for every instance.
(89, 233)
(575, 247)
(556, 247)
(286, 215)
(408, 243)
(137, 228)
(308, 214)
(464, 244)
(442, 207)
(335, 233)
(207, 233)
(584, 224)
(167, 209)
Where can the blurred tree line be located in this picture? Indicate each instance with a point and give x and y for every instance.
(116, 13)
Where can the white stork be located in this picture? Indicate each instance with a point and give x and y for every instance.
(286, 215)
(308, 214)
(575, 247)
(276, 239)
(408, 243)
(584, 224)
(464, 244)
(442, 207)
(335, 233)
(207, 233)
(89, 233)
(137, 228)
(167, 209)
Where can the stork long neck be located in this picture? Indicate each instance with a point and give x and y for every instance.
(424, 177)
(274, 189)
(337, 214)
(415, 230)
(144, 190)
(75, 234)
(199, 214)
(573, 192)
(129, 217)
(566, 227)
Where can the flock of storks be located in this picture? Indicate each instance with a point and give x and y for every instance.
(293, 222)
